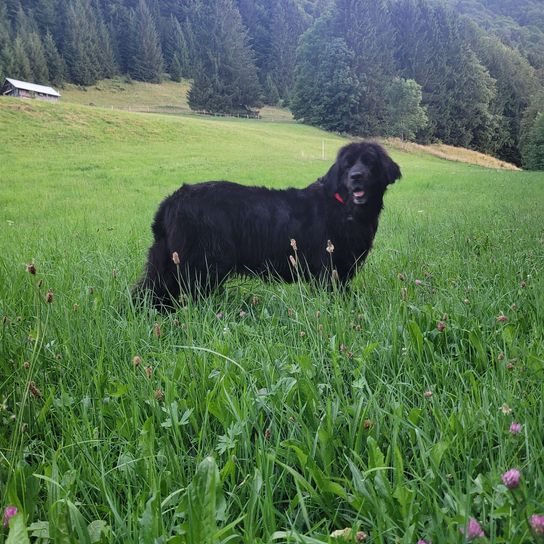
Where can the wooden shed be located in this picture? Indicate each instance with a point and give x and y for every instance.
(22, 89)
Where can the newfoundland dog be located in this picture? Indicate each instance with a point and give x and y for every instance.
(205, 232)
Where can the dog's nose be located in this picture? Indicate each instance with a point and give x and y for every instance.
(356, 176)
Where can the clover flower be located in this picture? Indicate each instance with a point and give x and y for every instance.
(511, 478)
(472, 530)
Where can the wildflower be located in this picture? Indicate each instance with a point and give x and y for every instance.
(418, 282)
(9, 512)
(511, 478)
(149, 371)
(267, 434)
(49, 296)
(114, 273)
(293, 261)
(514, 307)
(523, 285)
(466, 301)
(335, 276)
(515, 428)
(428, 394)
(537, 523)
(31, 268)
(502, 318)
(505, 409)
(421, 541)
(473, 530)
(330, 247)
(75, 307)
(293, 244)
(401, 276)
(302, 334)
(367, 424)
(175, 258)
(220, 315)
(255, 300)
(441, 326)
(242, 314)
(500, 356)
(136, 361)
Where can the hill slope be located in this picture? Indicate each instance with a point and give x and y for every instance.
(263, 413)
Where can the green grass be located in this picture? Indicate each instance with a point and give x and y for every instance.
(265, 413)
(168, 97)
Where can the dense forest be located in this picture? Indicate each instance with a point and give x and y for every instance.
(464, 72)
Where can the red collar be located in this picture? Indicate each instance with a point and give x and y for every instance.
(339, 198)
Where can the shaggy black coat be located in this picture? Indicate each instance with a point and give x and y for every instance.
(219, 228)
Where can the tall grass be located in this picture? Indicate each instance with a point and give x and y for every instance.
(266, 412)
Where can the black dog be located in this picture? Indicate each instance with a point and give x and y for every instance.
(207, 231)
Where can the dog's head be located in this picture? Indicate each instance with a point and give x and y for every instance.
(361, 173)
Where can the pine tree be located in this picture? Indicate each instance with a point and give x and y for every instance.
(327, 91)
(533, 146)
(21, 65)
(6, 51)
(55, 63)
(226, 77)
(176, 52)
(146, 59)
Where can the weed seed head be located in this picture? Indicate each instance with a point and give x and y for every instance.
(31, 268)
(136, 361)
(330, 247)
(49, 296)
(441, 326)
(175, 258)
(34, 391)
(293, 244)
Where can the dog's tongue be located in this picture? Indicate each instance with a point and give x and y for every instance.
(359, 194)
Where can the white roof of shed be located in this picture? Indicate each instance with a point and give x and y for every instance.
(32, 87)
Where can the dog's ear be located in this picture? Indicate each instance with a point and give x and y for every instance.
(390, 169)
(331, 179)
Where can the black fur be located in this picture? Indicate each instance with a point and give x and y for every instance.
(219, 228)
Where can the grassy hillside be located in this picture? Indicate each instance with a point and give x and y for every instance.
(266, 413)
(168, 97)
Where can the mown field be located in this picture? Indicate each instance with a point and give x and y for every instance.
(266, 413)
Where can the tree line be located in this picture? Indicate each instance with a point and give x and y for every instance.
(413, 69)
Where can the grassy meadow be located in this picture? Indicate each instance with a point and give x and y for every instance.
(266, 413)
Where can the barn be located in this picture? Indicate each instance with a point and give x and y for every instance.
(22, 89)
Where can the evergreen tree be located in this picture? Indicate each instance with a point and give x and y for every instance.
(176, 51)
(287, 25)
(533, 146)
(226, 77)
(21, 65)
(36, 57)
(80, 47)
(55, 63)
(146, 58)
(327, 91)
(6, 51)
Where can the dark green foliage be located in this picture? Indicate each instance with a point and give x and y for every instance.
(55, 63)
(146, 55)
(533, 148)
(326, 90)
(406, 116)
(226, 77)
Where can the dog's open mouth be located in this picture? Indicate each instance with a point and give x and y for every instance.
(359, 197)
